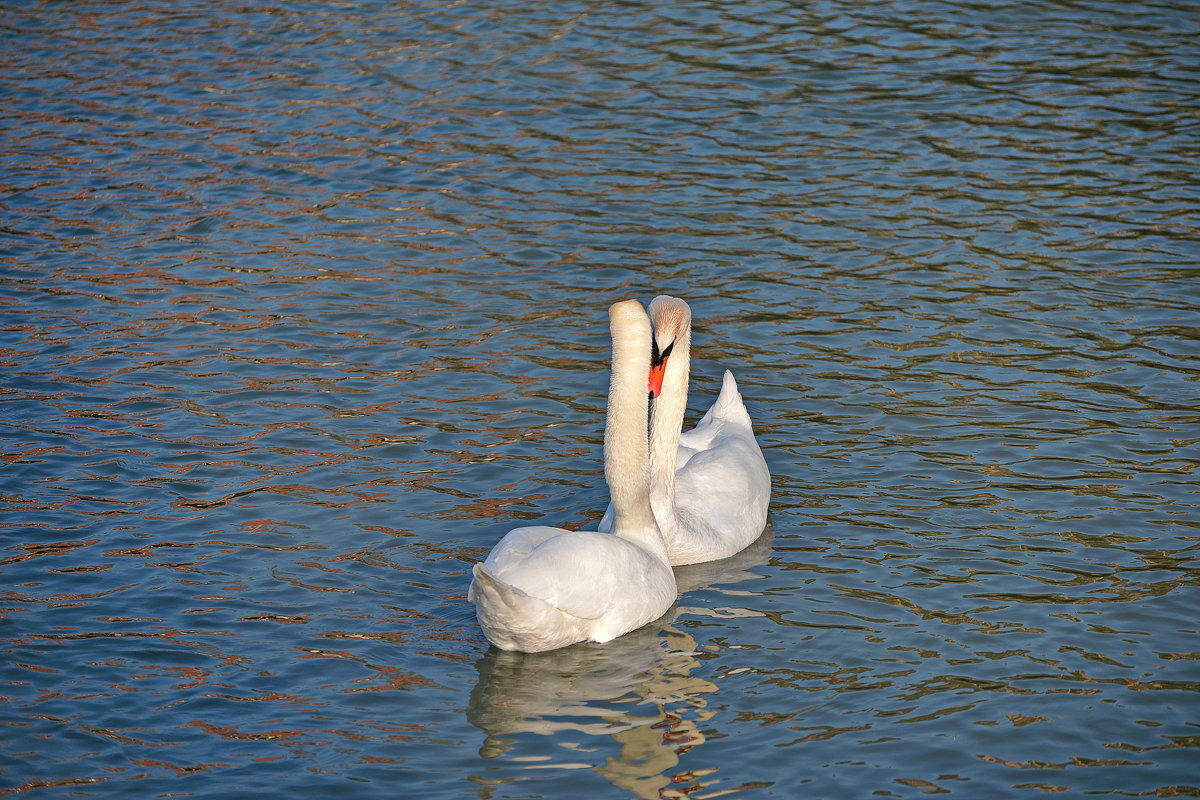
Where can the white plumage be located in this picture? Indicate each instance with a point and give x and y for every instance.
(709, 486)
(542, 588)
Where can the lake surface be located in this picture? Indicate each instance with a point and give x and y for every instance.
(303, 306)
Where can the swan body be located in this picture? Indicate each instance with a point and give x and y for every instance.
(541, 587)
(710, 486)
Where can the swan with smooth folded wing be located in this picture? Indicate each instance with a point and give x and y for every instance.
(542, 588)
(710, 486)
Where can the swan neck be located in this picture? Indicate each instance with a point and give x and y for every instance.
(626, 449)
(665, 428)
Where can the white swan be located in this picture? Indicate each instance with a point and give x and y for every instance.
(710, 486)
(543, 588)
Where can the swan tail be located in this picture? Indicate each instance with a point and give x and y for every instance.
(514, 620)
(729, 403)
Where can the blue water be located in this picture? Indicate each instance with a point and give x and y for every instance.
(303, 306)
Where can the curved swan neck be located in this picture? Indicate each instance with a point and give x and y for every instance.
(666, 424)
(626, 451)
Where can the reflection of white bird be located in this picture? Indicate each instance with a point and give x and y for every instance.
(709, 486)
(542, 588)
(638, 689)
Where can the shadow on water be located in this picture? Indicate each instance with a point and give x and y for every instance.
(638, 690)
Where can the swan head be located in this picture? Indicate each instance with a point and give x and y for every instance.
(671, 319)
(626, 312)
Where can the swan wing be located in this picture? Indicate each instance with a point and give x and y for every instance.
(586, 574)
(729, 476)
(580, 573)
(516, 547)
(733, 466)
(722, 484)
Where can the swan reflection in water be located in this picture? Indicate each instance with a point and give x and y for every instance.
(637, 689)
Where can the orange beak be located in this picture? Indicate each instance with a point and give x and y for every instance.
(658, 366)
(656, 378)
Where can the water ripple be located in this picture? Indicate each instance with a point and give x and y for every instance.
(303, 308)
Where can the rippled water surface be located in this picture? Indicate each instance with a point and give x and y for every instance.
(302, 306)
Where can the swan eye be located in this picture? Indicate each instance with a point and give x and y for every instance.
(656, 357)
